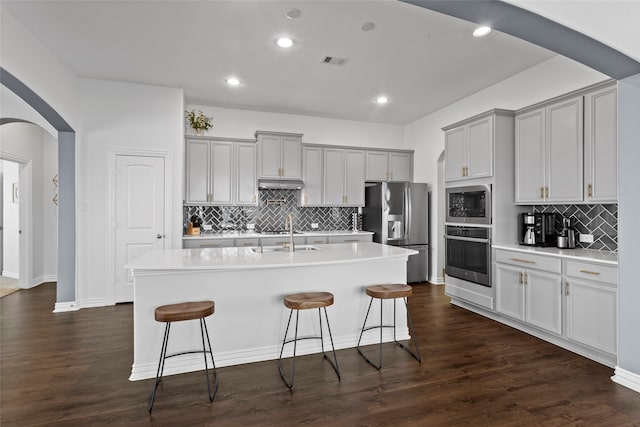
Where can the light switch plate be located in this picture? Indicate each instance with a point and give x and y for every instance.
(586, 238)
(207, 227)
(314, 225)
(251, 226)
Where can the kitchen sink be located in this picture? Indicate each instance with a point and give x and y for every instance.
(299, 248)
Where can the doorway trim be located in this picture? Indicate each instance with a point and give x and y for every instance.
(25, 218)
(114, 153)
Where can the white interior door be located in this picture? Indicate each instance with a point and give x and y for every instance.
(139, 214)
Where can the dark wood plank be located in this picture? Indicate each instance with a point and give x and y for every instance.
(72, 369)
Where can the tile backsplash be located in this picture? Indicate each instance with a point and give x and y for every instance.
(599, 220)
(273, 207)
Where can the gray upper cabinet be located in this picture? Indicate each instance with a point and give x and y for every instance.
(279, 155)
(469, 150)
(601, 146)
(388, 166)
(220, 172)
(312, 169)
(209, 169)
(246, 184)
(343, 177)
(549, 153)
(198, 157)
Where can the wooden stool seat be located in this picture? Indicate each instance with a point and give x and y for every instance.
(389, 291)
(184, 311)
(308, 300)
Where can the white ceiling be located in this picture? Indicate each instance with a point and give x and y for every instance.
(421, 60)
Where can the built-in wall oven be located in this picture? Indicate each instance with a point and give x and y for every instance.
(470, 204)
(469, 253)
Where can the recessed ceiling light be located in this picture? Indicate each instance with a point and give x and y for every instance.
(293, 13)
(481, 31)
(382, 100)
(284, 42)
(233, 81)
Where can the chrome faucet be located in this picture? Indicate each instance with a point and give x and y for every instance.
(288, 223)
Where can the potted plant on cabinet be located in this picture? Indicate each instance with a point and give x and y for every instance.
(198, 121)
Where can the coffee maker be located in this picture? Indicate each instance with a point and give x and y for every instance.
(538, 229)
(567, 236)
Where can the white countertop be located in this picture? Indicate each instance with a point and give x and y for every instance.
(246, 258)
(602, 257)
(255, 235)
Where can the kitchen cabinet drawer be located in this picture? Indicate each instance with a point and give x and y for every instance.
(349, 239)
(281, 241)
(319, 240)
(241, 243)
(589, 271)
(208, 243)
(539, 262)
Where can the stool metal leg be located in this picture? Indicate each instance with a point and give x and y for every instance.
(284, 341)
(333, 363)
(415, 355)
(160, 371)
(203, 331)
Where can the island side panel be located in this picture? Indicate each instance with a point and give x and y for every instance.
(249, 320)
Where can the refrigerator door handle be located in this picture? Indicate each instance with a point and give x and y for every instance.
(407, 213)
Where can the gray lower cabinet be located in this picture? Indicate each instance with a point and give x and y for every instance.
(350, 239)
(528, 288)
(282, 240)
(208, 243)
(590, 293)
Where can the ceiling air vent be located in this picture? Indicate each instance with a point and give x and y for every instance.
(333, 60)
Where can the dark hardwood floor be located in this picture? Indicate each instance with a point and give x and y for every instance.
(73, 368)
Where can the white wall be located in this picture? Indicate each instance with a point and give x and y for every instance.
(234, 123)
(125, 116)
(30, 61)
(10, 221)
(551, 78)
(30, 143)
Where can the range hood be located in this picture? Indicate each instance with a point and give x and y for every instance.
(280, 184)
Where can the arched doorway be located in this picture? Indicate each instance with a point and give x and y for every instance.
(66, 289)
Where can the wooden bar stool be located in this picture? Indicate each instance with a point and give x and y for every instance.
(305, 301)
(383, 292)
(177, 313)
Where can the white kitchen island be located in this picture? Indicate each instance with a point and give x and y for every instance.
(248, 286)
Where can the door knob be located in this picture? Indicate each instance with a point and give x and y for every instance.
(159, 236)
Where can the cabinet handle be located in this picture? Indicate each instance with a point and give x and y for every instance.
(589, 190)
(526, 281)
(546, 190)
(463, 171)
(305, 200)
(351, 241)
(254, 198)
(390, 176)
(520, 281)
(542, 192)
(566, 288)
(595, 273)
(523, 260)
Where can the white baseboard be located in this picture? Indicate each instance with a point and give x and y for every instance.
(627, 378)
(436, 280)
(93, 302)
(62, 307)
(47, 278)
(10, 275)
(195, 362)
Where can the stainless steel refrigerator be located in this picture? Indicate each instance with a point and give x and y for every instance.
(398, 215)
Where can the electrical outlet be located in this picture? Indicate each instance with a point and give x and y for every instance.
(586, 238)
(251, 226)
(207, 227)
(314, 225)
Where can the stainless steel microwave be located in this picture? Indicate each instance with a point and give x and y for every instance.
(469, 205)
